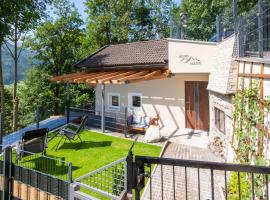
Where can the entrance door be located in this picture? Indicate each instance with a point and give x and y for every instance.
(197, 105)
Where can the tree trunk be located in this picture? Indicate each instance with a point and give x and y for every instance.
(2, 95)
(15, 98)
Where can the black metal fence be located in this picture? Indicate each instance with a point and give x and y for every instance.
(254, 31)
(43, 173)
(188, 179)
(113, 121)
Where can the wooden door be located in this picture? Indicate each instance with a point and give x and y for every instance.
(197, 105)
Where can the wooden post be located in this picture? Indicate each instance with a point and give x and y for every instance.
(68, 102)
(103, 107)
(260, 29)
(261, 126)
(6, 173)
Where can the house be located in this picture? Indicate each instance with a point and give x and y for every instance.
(187, 82)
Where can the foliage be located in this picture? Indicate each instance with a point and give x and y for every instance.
(249, 116)
(113, 22)
(233, 192)
(56, 43)
(249, 122)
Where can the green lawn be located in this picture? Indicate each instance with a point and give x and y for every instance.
(96, 151)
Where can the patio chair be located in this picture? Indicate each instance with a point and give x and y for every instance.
(33, 141)
(71, 131)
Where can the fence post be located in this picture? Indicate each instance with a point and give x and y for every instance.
(37, 116)
(130, 177)
(218, 28)
(68, 101)
(71, 188)
(6, 173)
(260, 26)
(126, 122)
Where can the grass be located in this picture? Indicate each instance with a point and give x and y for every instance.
(96, 151)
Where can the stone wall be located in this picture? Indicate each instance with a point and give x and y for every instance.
(223, 103)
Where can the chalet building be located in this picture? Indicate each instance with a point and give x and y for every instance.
(189, 83)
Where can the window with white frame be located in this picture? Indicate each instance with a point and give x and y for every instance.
(135, 100)
(114, 101)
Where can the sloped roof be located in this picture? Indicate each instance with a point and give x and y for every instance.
(128, 54)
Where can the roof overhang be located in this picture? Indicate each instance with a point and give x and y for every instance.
(112, 77)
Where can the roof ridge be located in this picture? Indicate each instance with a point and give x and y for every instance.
(92, 54)
(141, 41)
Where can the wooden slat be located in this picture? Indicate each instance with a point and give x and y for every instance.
(88, 76)
(120, 75)
(95, 79)
(260, 76)
(135, 74)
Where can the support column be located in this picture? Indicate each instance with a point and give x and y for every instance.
(1, 130)
(103, 107)
(6, 173)
(68, 102)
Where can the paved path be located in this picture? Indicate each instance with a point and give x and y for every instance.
(180, 151)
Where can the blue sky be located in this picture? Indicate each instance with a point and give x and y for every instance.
(81, 7)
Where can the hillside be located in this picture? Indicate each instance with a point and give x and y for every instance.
(24, 64)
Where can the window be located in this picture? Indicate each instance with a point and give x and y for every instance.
(135, 100)
(220, 120)
(114, 101)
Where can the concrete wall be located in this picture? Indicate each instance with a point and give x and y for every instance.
(166, 96)
(191, 56)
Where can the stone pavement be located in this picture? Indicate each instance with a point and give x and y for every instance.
(180, 151)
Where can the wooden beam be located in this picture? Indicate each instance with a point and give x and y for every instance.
(259, 76)
(88, 76)
(60, 78)
(119, 75)
(143, 79)
(135, 74)
(96, 78)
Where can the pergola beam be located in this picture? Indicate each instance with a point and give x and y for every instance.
(112, 77)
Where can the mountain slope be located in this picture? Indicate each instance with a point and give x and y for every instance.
(8, 64)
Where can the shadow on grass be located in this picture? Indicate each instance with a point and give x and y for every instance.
(49, 166)
(85, 145)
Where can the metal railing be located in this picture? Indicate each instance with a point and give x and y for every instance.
(254, 31)
(113, 121)
(188, 179)
(109, 181)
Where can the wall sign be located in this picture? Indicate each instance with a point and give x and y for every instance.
(189, 60)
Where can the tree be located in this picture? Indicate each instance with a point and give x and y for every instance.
(56, 42)
(5, 16)
(26, 15)
(120, 21)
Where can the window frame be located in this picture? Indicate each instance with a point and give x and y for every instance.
(130, 101)
(110, 106)
(220, 115)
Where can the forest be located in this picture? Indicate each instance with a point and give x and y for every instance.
(37, 46)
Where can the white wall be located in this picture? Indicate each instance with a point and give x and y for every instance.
(166, 96)
(191, 56)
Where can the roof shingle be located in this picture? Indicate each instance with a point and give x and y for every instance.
(136, 53)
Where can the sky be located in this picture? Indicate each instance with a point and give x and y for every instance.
(81, 7)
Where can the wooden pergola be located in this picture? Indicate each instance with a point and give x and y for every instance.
(92, 78)
(112, 77)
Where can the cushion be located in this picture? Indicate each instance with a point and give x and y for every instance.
(145, 121)
(136, 119)
(130, 119)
